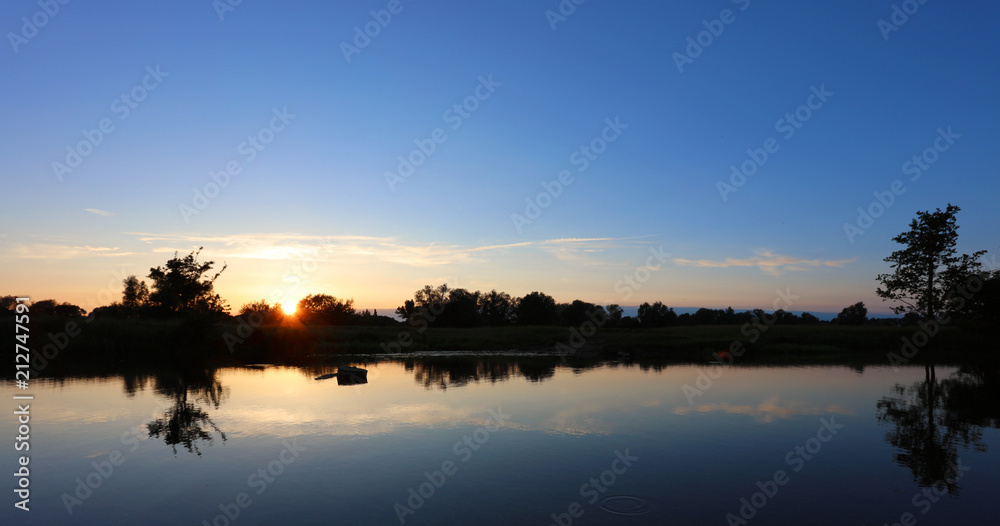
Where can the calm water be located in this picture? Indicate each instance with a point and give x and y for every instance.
(514, 441)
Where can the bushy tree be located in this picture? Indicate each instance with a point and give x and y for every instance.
(536, 308)
(927, 273)
(325, 309)
(856, 314)
(614, 315)
(462, 309)
(808, 319)
(269, 314)
(656, 315)
(496, 308)
(180, 287)
(135, 293)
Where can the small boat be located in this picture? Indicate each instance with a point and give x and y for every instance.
(347, 370)
(347, 375)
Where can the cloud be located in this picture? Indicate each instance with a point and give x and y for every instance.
(767, 411)
(766, 261)
(56, 251)
(100, 212)
(386, 249)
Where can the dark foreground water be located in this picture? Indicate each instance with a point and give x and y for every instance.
(512, 441)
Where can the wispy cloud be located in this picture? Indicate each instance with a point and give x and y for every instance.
(56, 251)
(387, 249)
(766, 261)
(767, 411)
(100, 212)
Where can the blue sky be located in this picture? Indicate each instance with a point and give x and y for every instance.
(312, 211)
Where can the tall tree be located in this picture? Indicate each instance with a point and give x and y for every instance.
(926, 272)
(135, 294)
(179, 287)
(497, 308)
(536, 308)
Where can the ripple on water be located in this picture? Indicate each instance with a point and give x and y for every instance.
(624, 505)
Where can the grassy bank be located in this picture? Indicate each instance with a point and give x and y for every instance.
(107, 342)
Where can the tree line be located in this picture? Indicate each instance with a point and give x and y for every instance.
(929, 280)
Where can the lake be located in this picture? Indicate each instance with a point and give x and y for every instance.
(513, 440)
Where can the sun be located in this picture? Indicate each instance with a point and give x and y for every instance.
(289, 309)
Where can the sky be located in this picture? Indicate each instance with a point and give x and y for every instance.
(365, 149)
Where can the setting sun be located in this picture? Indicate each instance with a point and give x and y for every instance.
(289, 309)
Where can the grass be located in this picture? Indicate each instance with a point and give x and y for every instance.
(110, 343)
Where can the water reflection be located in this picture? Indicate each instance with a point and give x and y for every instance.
(184, 422)
(931, 419)
(447, 371)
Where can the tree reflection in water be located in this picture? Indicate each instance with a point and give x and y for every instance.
(932, 419)
(185, 422)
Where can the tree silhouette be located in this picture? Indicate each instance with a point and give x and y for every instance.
(926, 274)
(856, 314)
(496, 308)
(932, 419)
(186, 423)
(179, 287)
(135, 293)
(536, 308)
(324, 308)
(658, 315)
